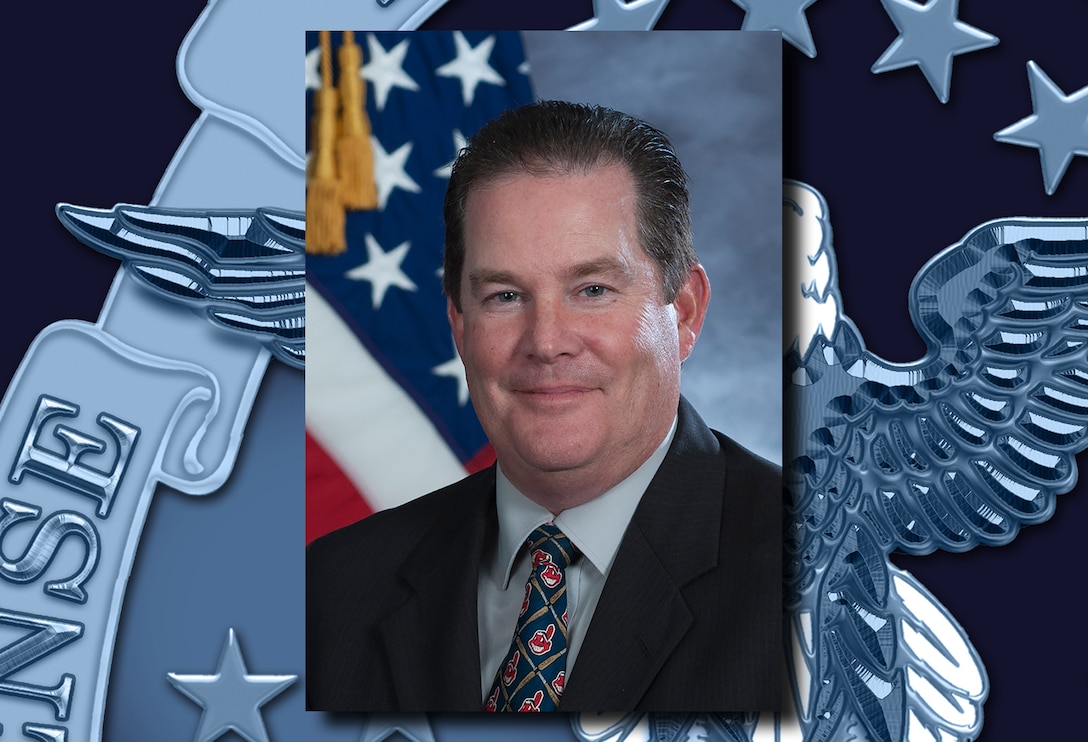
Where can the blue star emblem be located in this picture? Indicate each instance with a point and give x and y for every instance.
(231, 697)
(616, 15)
(1058, 128)
(787, 16)
(929, 36)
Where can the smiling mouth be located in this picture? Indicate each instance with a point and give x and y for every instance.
(554, 394)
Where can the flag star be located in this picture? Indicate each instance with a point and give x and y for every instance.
(231, 697)
(1058, 128)
(455, 369)
(412, 727)
(313, 68)
(459, 143)
(389, 170)
(382, 269)
(929, 36)
(471, 66)
(616, 15)
(386, 69)
(787, 16)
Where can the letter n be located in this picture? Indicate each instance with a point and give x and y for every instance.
(48, 635)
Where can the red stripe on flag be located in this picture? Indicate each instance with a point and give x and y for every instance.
(483, 458)
(332, 500)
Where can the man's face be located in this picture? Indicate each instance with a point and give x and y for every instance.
(572, 356)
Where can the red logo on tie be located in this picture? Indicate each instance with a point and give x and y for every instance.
(542, 641)
(525, 603)
(551, 575)
(540, 557)
(532, 704)
(565, 621)
(558, 683)
(511, 671)
(493, 702)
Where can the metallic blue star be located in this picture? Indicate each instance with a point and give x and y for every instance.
(1058, 128)
(379, 728)
(787, 16)
(929, 36)
(231, 698)
(616, 15)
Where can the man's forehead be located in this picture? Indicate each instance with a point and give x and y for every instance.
(619, 257)
(602, 189)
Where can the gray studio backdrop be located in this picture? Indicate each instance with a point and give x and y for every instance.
(718, 95)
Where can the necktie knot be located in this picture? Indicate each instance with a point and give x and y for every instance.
(549, 544)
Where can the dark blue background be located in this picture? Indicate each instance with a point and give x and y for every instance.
(94, 114)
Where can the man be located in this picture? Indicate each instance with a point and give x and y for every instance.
(645, 547)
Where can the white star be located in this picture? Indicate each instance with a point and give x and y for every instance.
(455, 369)
(231, 698)
(617, 15)
(382, 269)
(471, 66)
(389, 170)
(1058, 128)
(929, 36)
(385, 69)
(459, 143)
(313, 68)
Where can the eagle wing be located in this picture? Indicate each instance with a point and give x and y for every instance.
(960, 448)
(244, 269)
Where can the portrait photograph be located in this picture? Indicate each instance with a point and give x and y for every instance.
(572, 417)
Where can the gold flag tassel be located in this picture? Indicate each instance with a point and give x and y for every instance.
(324, 201)
(353, 151)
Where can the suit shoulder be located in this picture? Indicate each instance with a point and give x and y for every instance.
(742, 461)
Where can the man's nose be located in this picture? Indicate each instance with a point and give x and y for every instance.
(551, 331)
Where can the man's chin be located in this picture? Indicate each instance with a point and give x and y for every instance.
(556, 453)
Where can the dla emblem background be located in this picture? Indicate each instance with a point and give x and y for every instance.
(99, 116)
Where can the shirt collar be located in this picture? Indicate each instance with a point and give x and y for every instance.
(595, 527)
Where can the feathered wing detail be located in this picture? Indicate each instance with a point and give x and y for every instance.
(979, 437)
(245, 269)
(958, 449)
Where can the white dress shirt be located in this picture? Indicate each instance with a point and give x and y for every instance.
(595, 528)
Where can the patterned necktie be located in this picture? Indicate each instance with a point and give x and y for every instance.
(532, 675)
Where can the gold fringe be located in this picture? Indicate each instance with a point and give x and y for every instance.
(353, 151)
(324, 204)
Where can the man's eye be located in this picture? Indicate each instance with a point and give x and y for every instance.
(595, 290)
(505, 297)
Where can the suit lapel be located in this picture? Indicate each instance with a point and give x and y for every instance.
(432, 638)
(673, 538)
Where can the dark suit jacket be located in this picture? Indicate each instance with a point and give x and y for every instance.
(689, 619)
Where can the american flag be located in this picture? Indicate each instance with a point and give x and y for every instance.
(388, 417)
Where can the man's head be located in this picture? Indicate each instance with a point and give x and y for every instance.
(571, 308)
(557, 137)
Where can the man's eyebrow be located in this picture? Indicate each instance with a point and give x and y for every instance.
(484, 276)
(603, 266)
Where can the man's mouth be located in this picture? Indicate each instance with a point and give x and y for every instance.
(553, 393)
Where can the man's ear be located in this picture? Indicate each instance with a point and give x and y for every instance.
(457, 323)
(691, 303)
